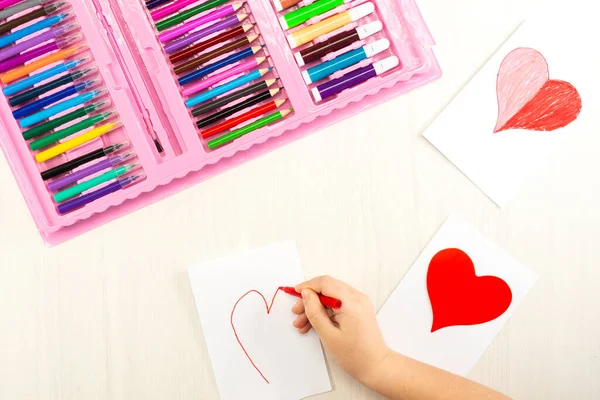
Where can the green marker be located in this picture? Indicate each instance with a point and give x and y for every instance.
(179, 18)
(71, 130)
(83, 186)
(231, 136)
(303, 14)
(55, 123)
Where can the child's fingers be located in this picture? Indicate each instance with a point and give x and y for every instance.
(305, 329)
(300, 321)
(317, 315)
(298, 308)
(327, 286)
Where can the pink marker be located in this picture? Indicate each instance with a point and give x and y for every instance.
(213, 80)
(198, 22)
(171, 9)
(8, 3)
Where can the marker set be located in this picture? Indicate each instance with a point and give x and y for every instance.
(58, 100)
(109, 105)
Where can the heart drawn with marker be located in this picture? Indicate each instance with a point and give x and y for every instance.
(529, 99)
(268, 308)
(458, 296)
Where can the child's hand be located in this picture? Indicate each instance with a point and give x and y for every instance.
(351, 334)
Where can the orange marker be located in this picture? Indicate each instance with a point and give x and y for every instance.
(42, 62)
(330, 24)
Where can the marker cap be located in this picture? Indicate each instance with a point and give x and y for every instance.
(376, 47)
(65, 28)
(361, 11)
(386, 64)
(68, 40)
(369, 29)
(119, 158)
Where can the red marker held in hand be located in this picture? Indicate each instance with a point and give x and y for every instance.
(325, 300)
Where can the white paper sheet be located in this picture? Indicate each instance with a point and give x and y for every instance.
(406, 317)
(500, 163)
(293, 364)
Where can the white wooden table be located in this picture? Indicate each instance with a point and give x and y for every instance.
(110, 315)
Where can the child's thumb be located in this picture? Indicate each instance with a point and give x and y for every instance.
(316, 313)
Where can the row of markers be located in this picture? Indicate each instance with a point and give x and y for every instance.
(317, 31)
(196, 39)
(56, 94)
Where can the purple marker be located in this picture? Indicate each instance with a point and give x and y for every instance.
(98, 194)
(194, 37)
(353, 78)
(17, 61)
(79, 175)
(39, 39)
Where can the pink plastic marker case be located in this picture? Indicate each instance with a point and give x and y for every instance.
(143, 88)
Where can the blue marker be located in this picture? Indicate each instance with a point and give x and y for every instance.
(209, 94)
(344, 61)
(60, 107)
(194, 76)
(42, 76)
(53, 98)
(38, 26)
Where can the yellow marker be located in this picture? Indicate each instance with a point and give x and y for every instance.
(76, 142)
(328, 25)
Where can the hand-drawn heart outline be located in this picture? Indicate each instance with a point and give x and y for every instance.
(268, 307)
(528, 98)
(458, 296)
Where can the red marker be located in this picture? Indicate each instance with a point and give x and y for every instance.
(325, 300)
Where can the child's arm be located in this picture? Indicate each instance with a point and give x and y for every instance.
(351, 335)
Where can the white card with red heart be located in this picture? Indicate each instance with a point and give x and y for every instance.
(255, 351)
(454, 300)
(538, 90)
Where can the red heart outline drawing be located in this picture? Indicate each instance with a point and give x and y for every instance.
(529, 99)
(458, 296)
(268, 307)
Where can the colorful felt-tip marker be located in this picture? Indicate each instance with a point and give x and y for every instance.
(100, 193)
(15, 62)
(58, 122)
(25, 45)
(303, 14)
(344, 61)
(47, 87)
(8, 3)
(60, 107)
(156, 3)
(211, 55)
(53, 98)
(353, 78)
(328, 25)
(219, 90)
(325, 300)
(187, 14)
(42, 76)
(202, 72)
(198, 22)
(233, 135)
(70, 130)
(20, 7)
(195, 36)
(82, 160)
(240, 119)
(92, 183)
(76, 142)
(109, 162)
(170, 9)
(220, 77)
(337, 42)
(281, 5)
(31, 29)
(30, 16)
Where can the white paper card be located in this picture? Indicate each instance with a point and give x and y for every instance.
(500, 163)
(293, 364)
(406, 317)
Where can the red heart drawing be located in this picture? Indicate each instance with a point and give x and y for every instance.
(529, 99)
(458, 296)
(268, 308)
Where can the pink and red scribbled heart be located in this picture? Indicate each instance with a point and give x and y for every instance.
(529, 99)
